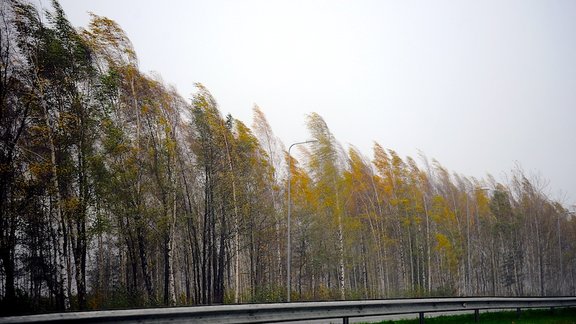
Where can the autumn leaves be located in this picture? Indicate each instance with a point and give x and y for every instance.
(117, 192)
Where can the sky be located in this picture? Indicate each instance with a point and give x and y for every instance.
(480, 86)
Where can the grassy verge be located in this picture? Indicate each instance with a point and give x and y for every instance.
(560, 316)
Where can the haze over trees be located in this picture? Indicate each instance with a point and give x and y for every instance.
(117, 192)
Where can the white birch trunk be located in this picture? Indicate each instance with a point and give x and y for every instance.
(341, 275)
(171, 281)
(61, 262)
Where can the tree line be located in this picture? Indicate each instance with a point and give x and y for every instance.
(117, 192)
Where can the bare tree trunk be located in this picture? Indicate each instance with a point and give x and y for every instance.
(171, 275)
(428, 254)
(341, 275)
(540, 260)
(80, 240)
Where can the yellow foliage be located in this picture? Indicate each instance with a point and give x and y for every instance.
(70, 204)
(441, 212)
(442, 243)
(39, 169)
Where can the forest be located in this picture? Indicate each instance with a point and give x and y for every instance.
(116, 192)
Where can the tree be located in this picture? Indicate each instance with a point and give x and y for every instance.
(273, 149)
(326, 169)
(14, 113)
(209, 137)
(117, 192)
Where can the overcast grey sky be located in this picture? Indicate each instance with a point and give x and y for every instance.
(477, 85)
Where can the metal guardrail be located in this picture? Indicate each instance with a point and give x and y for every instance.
(282, 312)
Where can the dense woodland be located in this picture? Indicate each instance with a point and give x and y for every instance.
(117, 192)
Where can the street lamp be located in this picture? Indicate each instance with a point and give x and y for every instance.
(288, 248)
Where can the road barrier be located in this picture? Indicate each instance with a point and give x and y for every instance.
(283, 312)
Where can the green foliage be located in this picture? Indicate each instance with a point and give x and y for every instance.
(559, 316)
(114, 185)
(118, 298)
(270, 295)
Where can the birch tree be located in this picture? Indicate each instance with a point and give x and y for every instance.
(325, 165)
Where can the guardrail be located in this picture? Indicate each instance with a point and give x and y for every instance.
(283, 312)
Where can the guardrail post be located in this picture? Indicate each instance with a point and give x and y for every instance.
(518, 312)
(345, 320)
(421, 317)
(476, 315)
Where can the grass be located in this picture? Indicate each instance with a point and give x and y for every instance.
(537, 316)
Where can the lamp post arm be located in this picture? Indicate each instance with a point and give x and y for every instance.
(298, 143)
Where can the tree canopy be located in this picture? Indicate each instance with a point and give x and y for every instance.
(117, 192)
